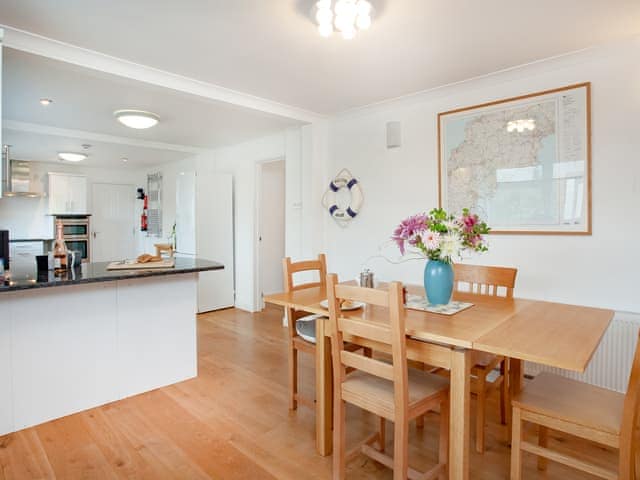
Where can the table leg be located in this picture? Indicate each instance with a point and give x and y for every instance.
(516, 379)
(459, 415)
(324, 392)
(516, 375)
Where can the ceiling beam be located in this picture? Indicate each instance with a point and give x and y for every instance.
(97, 137)
(47, 47)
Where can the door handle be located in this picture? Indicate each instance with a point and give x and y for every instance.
(94, 234)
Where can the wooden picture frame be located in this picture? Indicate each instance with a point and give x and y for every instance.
(522, 163)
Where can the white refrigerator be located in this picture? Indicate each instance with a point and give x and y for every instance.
(204, 229)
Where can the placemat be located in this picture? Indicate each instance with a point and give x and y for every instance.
(416, 302)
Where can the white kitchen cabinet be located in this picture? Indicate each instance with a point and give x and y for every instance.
(67, 194)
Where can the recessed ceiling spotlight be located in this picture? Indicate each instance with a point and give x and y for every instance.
(138, 119)
(72, 156)
(45, 102)
(124, 159)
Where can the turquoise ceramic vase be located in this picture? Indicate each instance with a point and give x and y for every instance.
(438, 282)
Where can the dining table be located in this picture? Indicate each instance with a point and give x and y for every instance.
(548, 333)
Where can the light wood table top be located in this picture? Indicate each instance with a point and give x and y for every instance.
(554, 334)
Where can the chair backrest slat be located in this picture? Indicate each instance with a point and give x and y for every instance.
(364, 329)
(289, 268)
(630, 418)
(358, 327)
(485, 280)
(371, 366)
(366, 295)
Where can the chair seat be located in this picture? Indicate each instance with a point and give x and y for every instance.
(572, 401)
(360, 388)
(306, 327)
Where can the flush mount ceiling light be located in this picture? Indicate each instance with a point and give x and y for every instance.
(347, 16)
(138, 119)
(521, 125)
(45, 102)
(72, 157)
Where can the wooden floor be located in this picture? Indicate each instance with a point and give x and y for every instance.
(232, 422)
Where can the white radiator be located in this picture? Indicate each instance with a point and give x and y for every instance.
(611, 364)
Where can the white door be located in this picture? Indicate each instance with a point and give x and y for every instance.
(214, 239)
(271, 226)
(113, 222)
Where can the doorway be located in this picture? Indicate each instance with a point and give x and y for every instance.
(113, 227)
(271, 225)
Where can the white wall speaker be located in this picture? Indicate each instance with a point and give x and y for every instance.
(394, 134)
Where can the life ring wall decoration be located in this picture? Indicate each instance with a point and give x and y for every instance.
(343, 181)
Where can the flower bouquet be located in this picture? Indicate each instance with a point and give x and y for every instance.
(440, 237)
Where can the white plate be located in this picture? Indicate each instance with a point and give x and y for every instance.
(355, 306)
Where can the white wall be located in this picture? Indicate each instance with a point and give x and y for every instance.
(305, 151)
(597, 270)
(271, 231)
(27, 217)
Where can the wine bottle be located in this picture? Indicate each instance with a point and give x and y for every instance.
(60, 254)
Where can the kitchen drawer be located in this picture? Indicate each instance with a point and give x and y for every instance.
(25, 248)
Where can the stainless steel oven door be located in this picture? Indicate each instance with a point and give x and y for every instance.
(75, 228)
(79, 245)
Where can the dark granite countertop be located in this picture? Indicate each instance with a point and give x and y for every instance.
(27, 278)
(21, 240)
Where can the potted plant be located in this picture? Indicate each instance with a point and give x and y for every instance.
(440, 237)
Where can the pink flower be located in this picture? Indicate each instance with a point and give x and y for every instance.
(408, 230)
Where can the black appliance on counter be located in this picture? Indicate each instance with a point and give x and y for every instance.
(4, 248)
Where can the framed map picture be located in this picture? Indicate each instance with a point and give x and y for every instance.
(523, 164)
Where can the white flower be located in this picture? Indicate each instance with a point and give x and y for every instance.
(431, 240)
(450, 246)
(452, 225)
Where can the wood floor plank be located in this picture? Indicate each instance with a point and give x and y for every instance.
(232, 422)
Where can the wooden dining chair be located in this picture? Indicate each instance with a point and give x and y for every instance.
(496, 282)
(301, 325)
(391, 391)
(602, 416)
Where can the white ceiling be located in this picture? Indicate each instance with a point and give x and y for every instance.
(271, 48)
(41, 147)
(85, 100)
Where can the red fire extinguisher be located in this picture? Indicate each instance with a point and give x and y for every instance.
(143, 217)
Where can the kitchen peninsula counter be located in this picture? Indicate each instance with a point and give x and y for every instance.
(28, 278)
(97, 337)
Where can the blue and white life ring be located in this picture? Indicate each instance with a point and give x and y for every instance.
(344, 180)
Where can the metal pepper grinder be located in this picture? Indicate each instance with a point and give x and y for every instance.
(366, 278)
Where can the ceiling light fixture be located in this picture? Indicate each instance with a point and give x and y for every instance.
(138, 119)
(72, 156)
(46, 102)
(347, 16)
(521, 125)
(124, 159)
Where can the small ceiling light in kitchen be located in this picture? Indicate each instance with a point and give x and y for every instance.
(347, 16)
(124, 159)
(45, 102)
(138, 119)
(72, 156)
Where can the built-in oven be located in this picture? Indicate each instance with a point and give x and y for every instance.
(76, 235)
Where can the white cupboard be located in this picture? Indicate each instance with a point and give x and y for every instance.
(67, 194)
(204, 228)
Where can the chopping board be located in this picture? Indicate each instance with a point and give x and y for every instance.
(133, 265)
